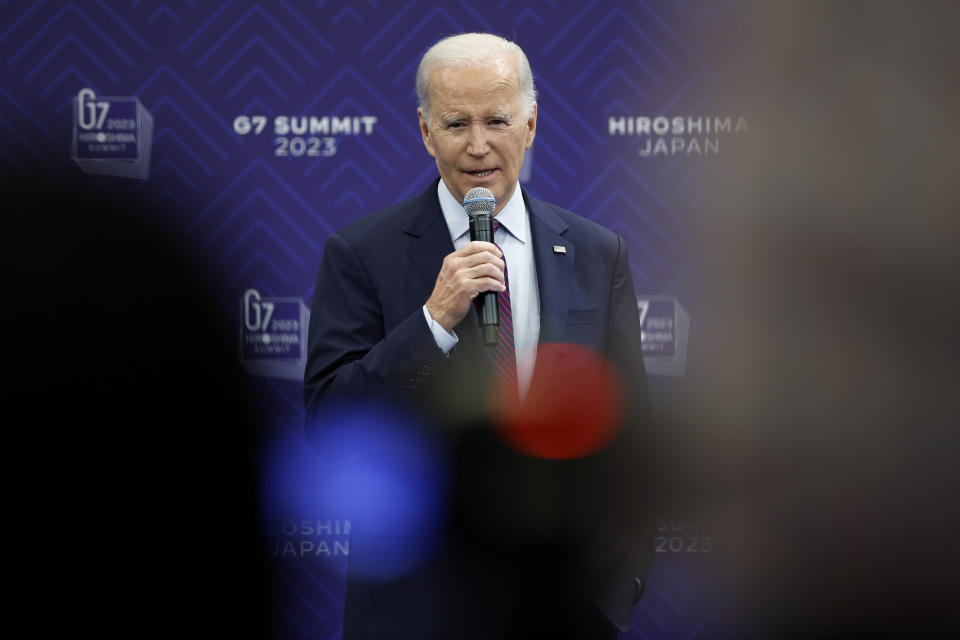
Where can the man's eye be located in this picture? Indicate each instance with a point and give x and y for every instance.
(499, 123)
(455, 125)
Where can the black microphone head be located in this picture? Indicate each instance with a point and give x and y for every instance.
(479, 200)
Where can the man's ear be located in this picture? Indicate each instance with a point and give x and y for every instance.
(531, 127)
(425, 133)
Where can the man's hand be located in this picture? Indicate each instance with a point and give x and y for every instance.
(465, 274)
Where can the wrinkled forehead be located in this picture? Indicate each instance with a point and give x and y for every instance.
(495, 75)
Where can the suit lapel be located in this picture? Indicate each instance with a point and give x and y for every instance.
(427, 237)
(554, 270)
(428, 242)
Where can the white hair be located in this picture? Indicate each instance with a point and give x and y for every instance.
(474, 49)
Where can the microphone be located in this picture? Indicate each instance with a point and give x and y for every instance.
(479, 204)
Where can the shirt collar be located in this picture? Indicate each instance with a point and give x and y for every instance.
(511, 217)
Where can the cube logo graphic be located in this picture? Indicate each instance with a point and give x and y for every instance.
(664, 329)
(273, 335)
(111, 136)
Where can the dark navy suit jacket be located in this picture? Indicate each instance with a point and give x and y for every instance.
(368, 337)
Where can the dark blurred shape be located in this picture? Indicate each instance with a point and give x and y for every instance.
(820, 442)
(448, 519)
(128, 484)
(572, 409)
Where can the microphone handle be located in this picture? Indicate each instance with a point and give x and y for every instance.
(481, 228)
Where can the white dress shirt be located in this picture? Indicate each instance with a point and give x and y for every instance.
(514, 240)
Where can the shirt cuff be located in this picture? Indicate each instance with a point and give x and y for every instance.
(445, 340)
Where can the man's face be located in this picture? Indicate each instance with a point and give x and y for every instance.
(478, 130)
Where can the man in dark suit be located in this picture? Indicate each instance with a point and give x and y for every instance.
(393, 316)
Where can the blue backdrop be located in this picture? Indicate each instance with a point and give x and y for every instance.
(221, 80)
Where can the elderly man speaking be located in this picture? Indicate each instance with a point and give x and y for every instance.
(532, 546)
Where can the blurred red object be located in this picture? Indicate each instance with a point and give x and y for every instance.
(573, 408)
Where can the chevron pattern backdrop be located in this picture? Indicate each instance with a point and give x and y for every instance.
(261, 219)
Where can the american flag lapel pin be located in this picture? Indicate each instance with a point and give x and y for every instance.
(559, 249)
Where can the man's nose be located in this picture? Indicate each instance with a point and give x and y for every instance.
(477, 144)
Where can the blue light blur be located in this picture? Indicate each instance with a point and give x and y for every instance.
(374, 466)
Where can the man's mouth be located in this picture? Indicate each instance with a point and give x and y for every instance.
(481, 174)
